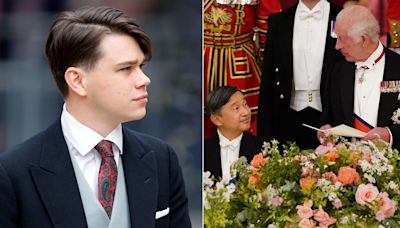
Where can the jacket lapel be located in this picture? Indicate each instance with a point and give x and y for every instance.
(55, 180)
(140, 169)
(330, 54)
(247, 149)
(387, 101)
(287, 41)
(214, 157)
(347, 77)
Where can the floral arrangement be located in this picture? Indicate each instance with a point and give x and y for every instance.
(339, 184)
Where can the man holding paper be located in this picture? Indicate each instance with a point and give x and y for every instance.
(363, 91)
(299, 51)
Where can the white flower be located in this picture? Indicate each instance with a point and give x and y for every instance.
(392, 185)
(272, 225)
(206, 204)
(370, 178)
(219, 185)
(338, 185)
(332, 196)
(207, 179)
(231, 188)
(344, 220)
(288, 186)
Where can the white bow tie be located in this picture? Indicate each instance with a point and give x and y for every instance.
(304, 14)
(228, 144)
(364, 65)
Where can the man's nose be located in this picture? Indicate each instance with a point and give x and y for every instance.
(338, 45)
(246, 111)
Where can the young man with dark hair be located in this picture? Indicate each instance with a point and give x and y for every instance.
(228, 110)
(87, 170)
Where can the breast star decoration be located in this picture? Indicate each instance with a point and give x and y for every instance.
(396, 116)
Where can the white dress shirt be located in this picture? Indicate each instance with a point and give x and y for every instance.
(367, 92)
(229, 153)
(81, 141)
(309, 38)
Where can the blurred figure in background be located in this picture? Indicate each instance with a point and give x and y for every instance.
(299, 51)
(234, 38)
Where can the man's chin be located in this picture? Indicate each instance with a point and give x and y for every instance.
(246, 127)
(349, 59)
(135, 116)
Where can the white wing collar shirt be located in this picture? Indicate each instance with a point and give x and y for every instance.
(367, 94)
(81, 141)
(229, 153)
(309, 38)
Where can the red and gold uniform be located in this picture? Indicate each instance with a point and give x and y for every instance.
(393, 23)
(234, 35)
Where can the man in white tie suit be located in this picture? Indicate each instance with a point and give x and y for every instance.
(228, 110)
(299, 52)
(363, 90)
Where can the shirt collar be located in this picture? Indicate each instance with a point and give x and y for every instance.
(370, 62)
(223, 141)
(84, 139)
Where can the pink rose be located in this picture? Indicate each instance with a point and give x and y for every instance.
(386, 207)
(322, 217)
(304, 211)
(307, 171)
(337, 203)
(323, 149)
(277, 201)
(306, 223)
(366, 193)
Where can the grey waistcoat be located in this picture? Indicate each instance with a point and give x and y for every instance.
(95, 214)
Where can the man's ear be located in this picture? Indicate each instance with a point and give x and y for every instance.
(365, 40)
(75, 80)
(216, 119)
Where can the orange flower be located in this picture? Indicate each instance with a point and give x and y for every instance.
(307, 182)
(331, 156)
(355, 156)
(254, 178)
(258, 160)
(348, 175)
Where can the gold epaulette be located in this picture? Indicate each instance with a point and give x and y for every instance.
(394, 33)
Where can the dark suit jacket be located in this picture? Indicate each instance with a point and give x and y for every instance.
(38, 187)
(250, 145)
(339, 97)
(277, 72)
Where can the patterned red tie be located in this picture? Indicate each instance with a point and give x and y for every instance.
(108, 174)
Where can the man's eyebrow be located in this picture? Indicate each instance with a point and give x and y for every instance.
(234, 103)
(129, 62)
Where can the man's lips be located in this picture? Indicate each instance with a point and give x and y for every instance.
(141, 98)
